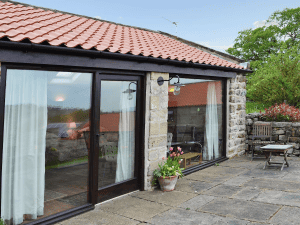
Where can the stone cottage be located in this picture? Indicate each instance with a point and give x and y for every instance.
(106, 100)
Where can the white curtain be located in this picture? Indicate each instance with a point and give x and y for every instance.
(212, 132)
(126, 143)
(25, 123)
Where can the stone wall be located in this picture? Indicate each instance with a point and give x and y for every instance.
(282, 132)
(236, 116)
(155, 124)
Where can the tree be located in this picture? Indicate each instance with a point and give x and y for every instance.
(278, 79)
(256, 45)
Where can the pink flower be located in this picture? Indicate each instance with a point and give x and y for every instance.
(163, 158)
(181, 153)
(171, 148)
(179, 161)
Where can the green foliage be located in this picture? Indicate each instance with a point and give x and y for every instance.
(170, 168)
(78, 116)
(53, 149)
(58, 164)
(2, 222)
(256, 45)
(254, 107)
(278, 80)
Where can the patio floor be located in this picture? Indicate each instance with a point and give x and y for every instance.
(236, 192)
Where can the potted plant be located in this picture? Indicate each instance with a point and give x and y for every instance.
(168, 173)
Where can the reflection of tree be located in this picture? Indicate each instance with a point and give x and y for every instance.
(75, 116)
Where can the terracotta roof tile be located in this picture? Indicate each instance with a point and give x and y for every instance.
(19, 22)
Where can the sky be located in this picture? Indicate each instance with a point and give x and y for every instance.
(214, 24)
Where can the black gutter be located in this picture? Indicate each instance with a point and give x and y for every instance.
(101, 54)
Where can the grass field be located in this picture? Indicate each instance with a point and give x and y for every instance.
(69, 163)
(253, 107)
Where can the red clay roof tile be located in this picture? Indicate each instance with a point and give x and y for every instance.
(19, 22)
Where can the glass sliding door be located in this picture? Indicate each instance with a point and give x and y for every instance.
(117, 144)
(195, 120)
(45, 153)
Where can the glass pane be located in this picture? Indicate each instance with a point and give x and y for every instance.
(117, 132)
(195, 120)
(45, 155)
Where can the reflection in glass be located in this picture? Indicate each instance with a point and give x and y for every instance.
(117, 135)
(45, 158)
(195, 120)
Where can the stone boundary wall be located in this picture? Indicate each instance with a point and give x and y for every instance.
(236, 103)
(282, 132)
(156, 125)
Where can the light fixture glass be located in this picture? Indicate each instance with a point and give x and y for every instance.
(130, 91)
(130, 96)
(176, 90)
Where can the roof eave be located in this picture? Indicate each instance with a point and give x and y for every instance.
(102, 54)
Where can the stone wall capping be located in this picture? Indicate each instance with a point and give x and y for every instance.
(281, 124)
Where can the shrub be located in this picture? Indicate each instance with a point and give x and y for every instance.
(277, 80)
(281, 112)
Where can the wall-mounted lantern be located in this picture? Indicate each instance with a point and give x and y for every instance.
(160, 81)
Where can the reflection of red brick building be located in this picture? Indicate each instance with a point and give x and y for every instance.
(194, 95)
(188, 110)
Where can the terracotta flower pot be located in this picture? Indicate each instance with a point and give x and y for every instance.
(167, 184)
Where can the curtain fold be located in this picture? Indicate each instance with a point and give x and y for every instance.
(25, 124)
(126, 143)
(211, 128)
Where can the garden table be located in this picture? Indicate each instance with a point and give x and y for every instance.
(187, 157)
(277, 149)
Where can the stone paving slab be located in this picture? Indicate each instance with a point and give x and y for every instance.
(223, 191)
(189, 217)
(242, 164)
(241, 209)
(271, 172)
(215, 179)
(237, 181)
(172, 198)
(191, 186)
(293, 177)
(273, 184)
(292, 169)
(279, 197)
(247, 193)
(197, 202)
(134, 208)
(287, 215)
(96, 217)
(224, 171)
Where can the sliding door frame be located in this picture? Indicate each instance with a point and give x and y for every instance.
(92, 185)
(123, 187)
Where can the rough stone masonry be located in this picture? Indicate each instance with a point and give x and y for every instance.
(237, 116)
(157, 115)
(156, 124)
